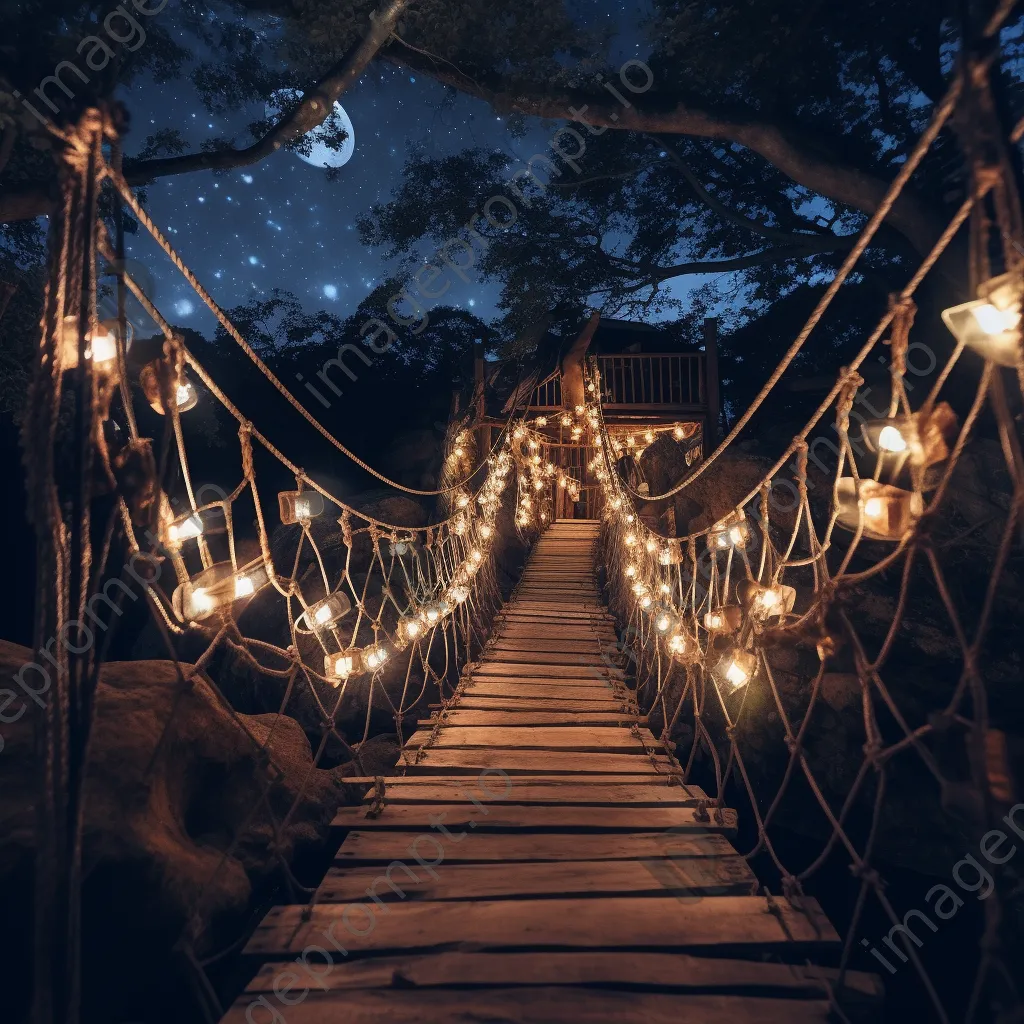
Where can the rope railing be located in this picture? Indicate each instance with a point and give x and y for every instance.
(737, 630)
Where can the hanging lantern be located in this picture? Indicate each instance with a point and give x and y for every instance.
(923, 440)
(764, 603)
(182, 389)
(299, 506)
(338, 667)
(680, 646)
(663, 619)
(735, 669)
(215, 588)
(728, 533)
(991, 323)
(324, 614)
(410, 628)
(186, 527)
(459, 593)
(402, 546)
(101, 346)
(888, 512)
(726, 619)
(375, 657)
(434, 611)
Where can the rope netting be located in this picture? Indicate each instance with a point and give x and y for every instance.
(747, 635)
(318, 598)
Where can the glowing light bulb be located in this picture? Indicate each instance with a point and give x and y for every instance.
(891, 440)
(374, 657)
(187, 529)
(538, 485)
(459, 594)
(649, 436)
(541, 421)
(677, 644)
(566, 420)
(580, 410)
(736, 675)
(630, 571)
(630, 441)
(183, 394)
(650, 545)
(994, 321)
(322, 615)
(873, 508)
(202, 602)
(629, 540)
(411, 628)
(244, 587)
(462, 501)
(678, 433)
(340, 666)
(486, 530)
(663, 622)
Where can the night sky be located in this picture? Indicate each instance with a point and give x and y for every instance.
(281, 223)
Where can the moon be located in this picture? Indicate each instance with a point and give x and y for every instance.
(320, 154)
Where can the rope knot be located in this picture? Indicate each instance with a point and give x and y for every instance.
(866, 873)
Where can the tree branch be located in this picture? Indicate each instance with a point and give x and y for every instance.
(795, 155)
(316, 106)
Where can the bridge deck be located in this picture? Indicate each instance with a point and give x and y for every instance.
(542, 860)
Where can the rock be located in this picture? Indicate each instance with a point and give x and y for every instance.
(172, 779)
(377, 756)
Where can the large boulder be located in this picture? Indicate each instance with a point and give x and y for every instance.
(189, 811)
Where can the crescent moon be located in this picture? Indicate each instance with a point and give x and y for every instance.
(320, 154)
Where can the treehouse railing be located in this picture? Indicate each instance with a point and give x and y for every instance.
(666, 380)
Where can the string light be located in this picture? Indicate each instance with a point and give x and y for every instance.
(409, 628)
(375, 657)
(566, 420)
(541, 421)
(735, 669)
(990, 325)
(327, 612)
(888, 512)
(299, 506)
(338, 667)
(101, 346)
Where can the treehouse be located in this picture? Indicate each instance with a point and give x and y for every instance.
(649, 385)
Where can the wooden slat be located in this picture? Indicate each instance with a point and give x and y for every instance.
(523, 1005)
(568, 691)
(668, 972)
(551, 761)
(539, 791)
(365, 848)
(506, 816)
(547, 703)
(462, 717)
(696, 877)
(505, 668)
(599, 738)
(726, 923)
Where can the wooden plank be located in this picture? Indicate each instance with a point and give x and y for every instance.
(508, 669)
(548, 700)
(665, 971)
(549, 761)
(563, 646)
(536, 1005)
(568, 691)
(533, 791)
(598, 738)
(507, 816)
(462, 717)
(510, 655)
(724, 924)
(697, 877)
(367, 848)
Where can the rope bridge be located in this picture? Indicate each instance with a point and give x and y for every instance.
(546, 801)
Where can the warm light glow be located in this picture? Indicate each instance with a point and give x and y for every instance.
(651, 545)
(649, 437)
(459, 594)
(462, 501)
(566, 420)
(629, 540)
(677, 644)
(185, 530)
(580, 410)
(104, 346)
(630, 571)
(995, 321)
(340, 666)
(542, 421)
(244, 587)
(736, 675)
(322, 615)
(891, 440)
(678, 433)
(202, 603)
(375, 657)
(873, 508)
(183, 394)
(486, 530)
(476, 555)
(663, 622)
(736, 535)
(630, 441)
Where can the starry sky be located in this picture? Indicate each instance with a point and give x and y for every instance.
(282, 223)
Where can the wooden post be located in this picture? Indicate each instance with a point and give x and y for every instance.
(711, 397)
(479, 400)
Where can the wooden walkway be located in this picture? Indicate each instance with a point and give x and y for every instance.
(541, 861)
